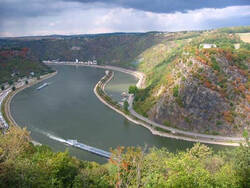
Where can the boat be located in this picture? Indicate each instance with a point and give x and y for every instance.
(72, 142)
(42, 86)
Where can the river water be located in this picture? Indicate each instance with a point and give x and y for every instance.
(68, 109)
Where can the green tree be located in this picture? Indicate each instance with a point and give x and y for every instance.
(242, 162)
(13, 88)
(125, 105)
(10, 82)
(176, 91)
(132, 90)
(2, 87)
(26, 82)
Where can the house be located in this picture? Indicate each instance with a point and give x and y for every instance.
(237, 46)
(206, 46)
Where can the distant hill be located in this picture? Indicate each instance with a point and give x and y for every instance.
(116, 49)
(120, 49)
(17, 63)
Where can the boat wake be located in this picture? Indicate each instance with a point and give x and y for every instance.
(56, 138)
(79, 145)
(43, 85)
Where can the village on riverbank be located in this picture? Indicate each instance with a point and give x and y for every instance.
(9, 89)
(76, 62)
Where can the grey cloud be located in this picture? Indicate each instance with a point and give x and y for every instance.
(169, 6)
(44, 17)
(28, 8)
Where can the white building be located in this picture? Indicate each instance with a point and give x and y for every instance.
(206, 46)
(237, 46)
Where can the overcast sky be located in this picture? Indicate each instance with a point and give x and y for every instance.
(46, 17)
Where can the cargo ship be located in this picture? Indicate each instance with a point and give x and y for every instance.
(90, 149)
(42, 86)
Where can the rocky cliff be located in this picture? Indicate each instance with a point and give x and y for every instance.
(198, 89)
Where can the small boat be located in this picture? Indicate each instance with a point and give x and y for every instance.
(72, 142)
(42, 86)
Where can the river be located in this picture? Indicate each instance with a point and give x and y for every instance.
(68, 109)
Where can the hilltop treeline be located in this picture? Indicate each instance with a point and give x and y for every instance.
(17, 63)
(24, 165)
(119, 49)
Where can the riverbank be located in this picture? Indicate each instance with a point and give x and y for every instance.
(156, 129)
(5, 106)
(152, 126)
(139, 75)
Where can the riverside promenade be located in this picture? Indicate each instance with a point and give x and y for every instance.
(7, 95)
(3, 94)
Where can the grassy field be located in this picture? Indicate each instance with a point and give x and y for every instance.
(245, 37)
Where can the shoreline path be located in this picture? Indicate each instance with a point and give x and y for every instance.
(151, 125)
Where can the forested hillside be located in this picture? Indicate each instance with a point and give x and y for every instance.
(24, 165)
(121, 49)
(17, 63)
(198, 89)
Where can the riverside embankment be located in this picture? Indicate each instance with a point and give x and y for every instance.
(5, 105)
(152, 126)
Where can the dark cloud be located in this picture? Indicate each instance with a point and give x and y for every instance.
(43, 17)
(169, 6)
(27, 8)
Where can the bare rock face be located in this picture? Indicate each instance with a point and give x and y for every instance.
(206, 101)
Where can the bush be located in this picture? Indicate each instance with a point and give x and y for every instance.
(10, 82)
(132, 90)
(26, 165)
(167, 123)
(215, 65)
(176, 91)
(125, 106)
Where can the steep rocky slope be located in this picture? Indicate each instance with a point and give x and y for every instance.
(197, 89)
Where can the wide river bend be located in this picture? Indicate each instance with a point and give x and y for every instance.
(68, 109)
